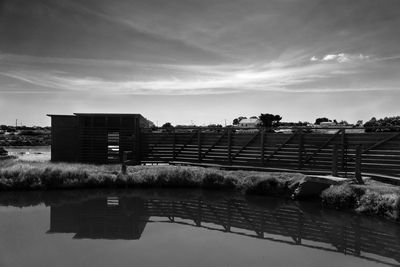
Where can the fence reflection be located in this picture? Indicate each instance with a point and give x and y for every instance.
(126, 218)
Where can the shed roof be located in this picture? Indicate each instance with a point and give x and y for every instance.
(59, 115)
(108, 114)
(97, 114)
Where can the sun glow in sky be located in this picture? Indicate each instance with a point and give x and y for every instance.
(200, 61)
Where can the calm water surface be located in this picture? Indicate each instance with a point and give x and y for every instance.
(185, 228)
(30, 153)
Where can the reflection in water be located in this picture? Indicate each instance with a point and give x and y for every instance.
(101, 218)
(126, 217)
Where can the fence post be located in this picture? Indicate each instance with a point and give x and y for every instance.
(301, 148)
(174, 145)
(229, 145)
(137, 152)
(334, 160)
(343, 151)
(199, 144)
(358, 165)
(124, 160)
(262, 146)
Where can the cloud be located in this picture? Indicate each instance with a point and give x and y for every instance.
(196, 79)
(341, 58)
(289, 73)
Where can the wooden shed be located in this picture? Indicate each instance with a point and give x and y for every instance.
(96, 137)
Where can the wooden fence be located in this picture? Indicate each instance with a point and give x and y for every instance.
(378, 152)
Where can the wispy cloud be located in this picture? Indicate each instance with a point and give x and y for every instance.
(341, 58)
(15, 59)
(198, 79)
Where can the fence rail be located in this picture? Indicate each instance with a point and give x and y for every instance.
(379, 152)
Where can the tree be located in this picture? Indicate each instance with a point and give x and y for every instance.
(167, 125)
(386, 124)
(237, 120)
(277, 119)
(214, 126)
(323, 119)
(269, 120)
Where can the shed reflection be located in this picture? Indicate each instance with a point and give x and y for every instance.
(106, 218)
(126, 218)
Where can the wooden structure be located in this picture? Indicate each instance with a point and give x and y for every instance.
(105, 138)
(95, 138)
(336, 152)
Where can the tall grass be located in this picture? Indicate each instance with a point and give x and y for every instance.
(341, 196)
(374, 203)
(46, 175)
(372, 199)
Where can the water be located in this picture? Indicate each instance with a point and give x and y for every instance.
(30, 153)
(185, 228)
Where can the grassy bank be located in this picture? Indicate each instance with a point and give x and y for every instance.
(20, 175)
(372, 198)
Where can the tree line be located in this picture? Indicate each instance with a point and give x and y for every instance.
(268, 120)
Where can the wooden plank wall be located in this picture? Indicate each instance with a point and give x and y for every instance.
(64, 138)
(93, 141)
(308, 151)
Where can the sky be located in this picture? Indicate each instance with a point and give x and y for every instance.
(199, 61)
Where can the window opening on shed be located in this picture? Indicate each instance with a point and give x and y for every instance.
(112, 201)
(113, 147)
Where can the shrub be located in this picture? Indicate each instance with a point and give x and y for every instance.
(269, 186)
(340, 196)
(214, 180)
(51, 178)
(380, 204)
(176, 177)
(29, 180)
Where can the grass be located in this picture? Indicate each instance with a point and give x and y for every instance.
(22, 175)
(341, 196)
(373, 198)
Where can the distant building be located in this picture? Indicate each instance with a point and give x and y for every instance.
(332, 128)
(185, 128)
(248, 123)
(328, 124)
